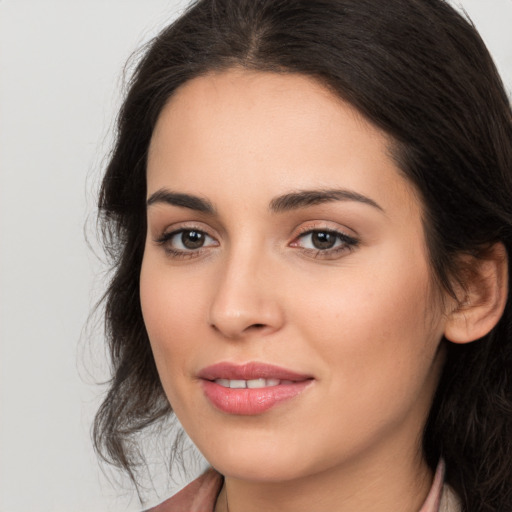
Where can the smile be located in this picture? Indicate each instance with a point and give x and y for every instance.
(252, 388)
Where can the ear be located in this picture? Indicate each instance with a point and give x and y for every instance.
(483, 297)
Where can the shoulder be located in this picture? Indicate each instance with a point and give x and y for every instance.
(198, 496)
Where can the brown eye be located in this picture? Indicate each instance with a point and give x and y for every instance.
(192, 239)
(186, 241)
(323, 239)
(325, 243)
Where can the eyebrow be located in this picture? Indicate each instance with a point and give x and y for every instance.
(306, 198)
(287, 202)
(182, 200)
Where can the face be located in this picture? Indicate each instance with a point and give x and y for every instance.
(285, 285)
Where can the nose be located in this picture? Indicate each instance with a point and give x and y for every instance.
(246, 299)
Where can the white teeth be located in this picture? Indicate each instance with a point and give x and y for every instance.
(256, 383)
(251, 384)
(237, 384)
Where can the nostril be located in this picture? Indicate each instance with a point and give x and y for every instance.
(257, 326)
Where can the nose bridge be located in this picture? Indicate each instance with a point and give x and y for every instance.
(245, 298)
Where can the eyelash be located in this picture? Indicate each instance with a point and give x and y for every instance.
(348, 243)
(166, 238)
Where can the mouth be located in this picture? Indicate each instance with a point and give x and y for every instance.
(251, 384)
(252, 388)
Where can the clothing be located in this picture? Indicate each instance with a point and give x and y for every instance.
(201, 495)
(198, 496)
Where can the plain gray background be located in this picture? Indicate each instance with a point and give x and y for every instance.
(60, 80)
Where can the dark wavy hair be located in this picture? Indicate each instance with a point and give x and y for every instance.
(419, 71)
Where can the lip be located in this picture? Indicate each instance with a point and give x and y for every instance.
(248, 401)
(248, 371)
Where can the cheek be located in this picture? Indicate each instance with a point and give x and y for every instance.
(377, 329)
(170, 308)
(379, 350)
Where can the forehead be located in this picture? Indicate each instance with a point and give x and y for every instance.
(260, 132)
(260, 104)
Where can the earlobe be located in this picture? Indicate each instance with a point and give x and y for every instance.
(485, 296)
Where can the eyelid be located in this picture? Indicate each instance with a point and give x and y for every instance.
(323, 225)
(171, 229)
(341, 234)
(165, 236)
(348, 242)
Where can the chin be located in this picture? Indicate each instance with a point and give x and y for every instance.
(259, 470)
(256, 461)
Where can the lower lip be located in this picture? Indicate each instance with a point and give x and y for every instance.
(249, 402)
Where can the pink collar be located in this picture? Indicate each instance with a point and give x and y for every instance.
(433, 501)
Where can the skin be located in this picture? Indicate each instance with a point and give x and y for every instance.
(363, 320)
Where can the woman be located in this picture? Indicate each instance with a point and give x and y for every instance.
(309, 210)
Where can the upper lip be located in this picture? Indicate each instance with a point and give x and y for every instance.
(249, 371)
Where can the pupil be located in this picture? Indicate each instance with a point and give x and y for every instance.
(192, 239)
(323, 240)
